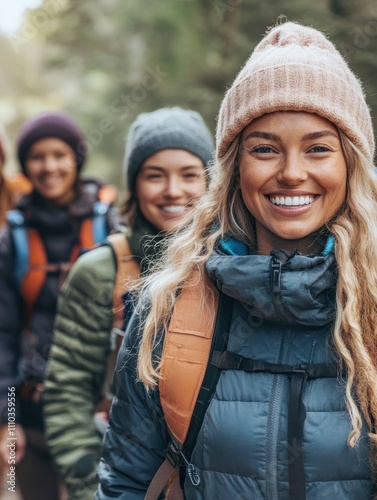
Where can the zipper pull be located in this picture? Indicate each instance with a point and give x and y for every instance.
(275, 275)
(191, 471)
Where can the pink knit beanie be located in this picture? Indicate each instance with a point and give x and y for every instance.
(295, 68)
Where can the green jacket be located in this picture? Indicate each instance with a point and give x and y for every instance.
(76, 369)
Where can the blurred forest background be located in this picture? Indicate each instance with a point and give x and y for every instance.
(107, 61)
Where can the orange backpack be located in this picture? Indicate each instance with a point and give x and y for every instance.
(127, 272)
(31, 262)
(193, 334)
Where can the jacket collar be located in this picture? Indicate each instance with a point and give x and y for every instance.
(285, 287)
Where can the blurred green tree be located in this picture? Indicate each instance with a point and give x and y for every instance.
(111, 60)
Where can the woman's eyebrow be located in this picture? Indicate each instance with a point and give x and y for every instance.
(151, 167)
(306, 137)
(319, 134)
(263, 135)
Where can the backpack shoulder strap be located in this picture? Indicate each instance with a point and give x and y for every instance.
(186, 351)
(35, 277)
(17, 225)
(31, 261)
(106, 197)
(199, 325)
(127, 271)
(94, 229)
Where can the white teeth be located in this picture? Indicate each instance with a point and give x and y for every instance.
(295, 200)
(289, 201)
(174, 209)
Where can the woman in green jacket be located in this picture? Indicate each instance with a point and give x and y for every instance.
(166, 158)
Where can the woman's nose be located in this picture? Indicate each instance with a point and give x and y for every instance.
(173, 187)
(292, 170)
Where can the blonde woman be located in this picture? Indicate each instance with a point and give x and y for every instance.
(287, 237)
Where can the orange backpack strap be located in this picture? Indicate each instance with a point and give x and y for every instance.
(186, 352)
(94, 229)
(35, 277)
(127, 271)
(86, 238)
(36, 272)
(185, 356)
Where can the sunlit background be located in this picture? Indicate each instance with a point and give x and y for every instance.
(108, 60)
(12, 14)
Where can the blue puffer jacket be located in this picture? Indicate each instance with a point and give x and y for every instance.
(283, 314)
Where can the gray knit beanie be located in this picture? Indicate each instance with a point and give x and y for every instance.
(296, 68)
(165, 128)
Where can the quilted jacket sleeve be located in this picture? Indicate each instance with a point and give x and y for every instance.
(136, 438)
(76, 369)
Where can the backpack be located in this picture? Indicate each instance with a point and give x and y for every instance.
(194, 354)
(127, 270)
(31, 262)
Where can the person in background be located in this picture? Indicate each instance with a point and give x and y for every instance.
(12, 186)
(166, 157)
(6, 197)
(286, 240)
(63, 215)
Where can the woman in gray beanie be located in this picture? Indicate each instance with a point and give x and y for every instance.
(166, 172)
(249, 369)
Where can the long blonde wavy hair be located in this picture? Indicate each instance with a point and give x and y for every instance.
(222, 211)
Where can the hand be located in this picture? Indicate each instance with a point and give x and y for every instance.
(102, 415)
(101, 419)
(12, 447)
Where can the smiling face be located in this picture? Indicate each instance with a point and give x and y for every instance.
(292, 177)
(167, 186)
(51, 168)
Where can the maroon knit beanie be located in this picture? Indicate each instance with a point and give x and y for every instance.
(52, 124)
